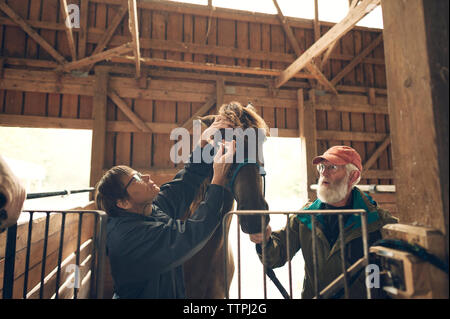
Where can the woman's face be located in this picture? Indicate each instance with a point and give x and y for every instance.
(140, 188)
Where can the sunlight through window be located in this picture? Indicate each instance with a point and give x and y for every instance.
(48, 160)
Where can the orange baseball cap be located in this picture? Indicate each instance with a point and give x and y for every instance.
(340, 155)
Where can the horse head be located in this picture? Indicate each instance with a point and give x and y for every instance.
(245, 180)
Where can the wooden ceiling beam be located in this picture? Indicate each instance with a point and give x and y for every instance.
(95, 36)
(69, 33)
(326, 56)
(108, 54)
(33, 34)
(316, 21)
(82, 39)
(334, 34)
(200, 112)
(106, 37)
(357, 59)
(310, 66)
(123, 106)
(15, 79)
(134, 29)
(222, 13)
(380, 149)
(207, 67)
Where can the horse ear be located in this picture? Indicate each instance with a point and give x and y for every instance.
(207, 119)
(251, 107)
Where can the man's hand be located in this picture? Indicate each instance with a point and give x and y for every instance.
(223, 162)
(258, 237)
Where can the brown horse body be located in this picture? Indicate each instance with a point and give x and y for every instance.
(204, 272)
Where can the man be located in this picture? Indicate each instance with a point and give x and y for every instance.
(340, 170)
(147, 242)
(12, 196)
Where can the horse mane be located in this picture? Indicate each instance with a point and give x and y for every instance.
(243, 117)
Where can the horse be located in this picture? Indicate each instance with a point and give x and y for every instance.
(204, 272)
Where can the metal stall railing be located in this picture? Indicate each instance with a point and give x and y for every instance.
(341, 282)
(373, 188)
(97, 259)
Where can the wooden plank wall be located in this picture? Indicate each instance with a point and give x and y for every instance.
(228, 42)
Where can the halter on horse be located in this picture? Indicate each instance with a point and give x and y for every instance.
(203, 271)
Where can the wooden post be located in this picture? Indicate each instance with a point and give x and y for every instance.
(307, 132)
(134, 30)
(82, 38)
(99, 126)
(69, 33)
(416, 52)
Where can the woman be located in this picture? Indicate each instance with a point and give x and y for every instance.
(147, 242)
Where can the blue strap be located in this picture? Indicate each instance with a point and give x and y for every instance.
(262, 172)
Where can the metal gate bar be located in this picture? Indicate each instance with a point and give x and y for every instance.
(44, 256)
(239, 258)
(98, 253)
(354, 268)
(60, 252)
(27, 260)
(288, 250)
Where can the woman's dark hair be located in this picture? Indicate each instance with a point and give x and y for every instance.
(110, 188)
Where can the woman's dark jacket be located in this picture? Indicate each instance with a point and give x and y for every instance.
(146, 253)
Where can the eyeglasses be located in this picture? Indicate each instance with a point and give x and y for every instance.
(136, 177)
(331, 168)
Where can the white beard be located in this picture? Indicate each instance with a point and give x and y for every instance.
(333, 193)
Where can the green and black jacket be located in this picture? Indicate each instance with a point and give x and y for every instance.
(328, 254)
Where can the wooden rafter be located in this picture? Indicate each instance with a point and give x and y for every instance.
(123, 69)
(95, 35)
(14, 79)
(334, 34)
(316, 21)
(326, 56)
(353, 3)
(108, 54)
(357, 59)
(123, 106)
(207, 67)
(33, 34)
(99, 124)
(110, 31)
(373, 158)
(134, 29)
(69, 33)
(310, 66)
(82, 39)
(200, 112)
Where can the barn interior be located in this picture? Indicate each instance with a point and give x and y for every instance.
(131, 71)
